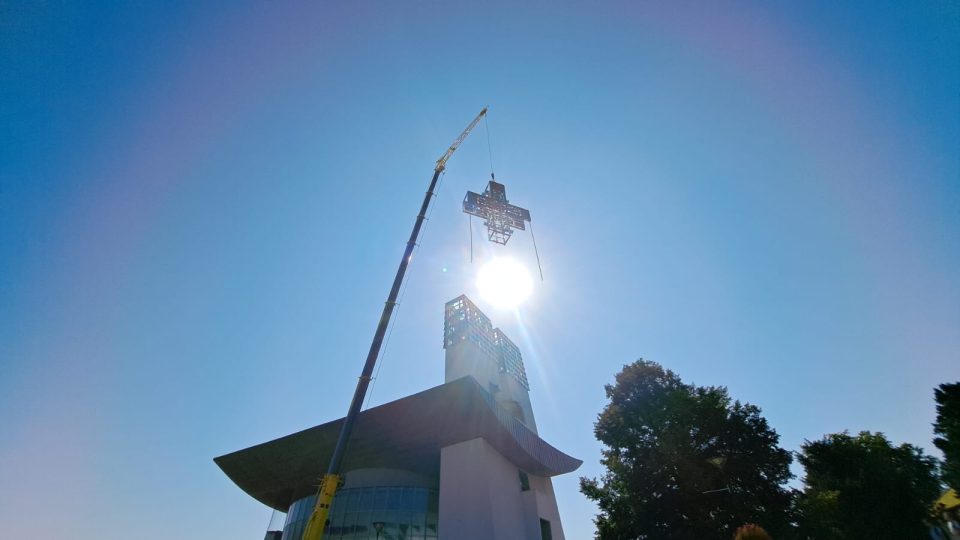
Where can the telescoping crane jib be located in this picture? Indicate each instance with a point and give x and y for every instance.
(331, 480)
(442, 162)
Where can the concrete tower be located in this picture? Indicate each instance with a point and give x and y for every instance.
(517, 504)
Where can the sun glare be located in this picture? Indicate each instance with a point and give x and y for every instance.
(504, 283)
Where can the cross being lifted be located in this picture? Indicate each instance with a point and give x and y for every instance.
(499, 216)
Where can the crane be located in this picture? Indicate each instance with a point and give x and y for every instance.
(331, 480)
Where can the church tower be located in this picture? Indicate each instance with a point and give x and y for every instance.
(474, 347)
(517, 503)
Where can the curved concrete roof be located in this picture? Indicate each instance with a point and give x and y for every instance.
(404, 434)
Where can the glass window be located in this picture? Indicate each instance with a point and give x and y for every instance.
(545, 533)
(352, 500)
(394, 495)
(335, 525)
(349, 524)
(403, 511)
(420, 500)
(380, 499)
(524, 481)
(417, 520)
(392, 519)
(363, 524)
(366, 497)
(416, 499)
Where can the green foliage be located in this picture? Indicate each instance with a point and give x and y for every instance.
(947, 427)
(821, 518)
(863, 487)
(684, 461)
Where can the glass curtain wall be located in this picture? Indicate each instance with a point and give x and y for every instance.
(371, 513)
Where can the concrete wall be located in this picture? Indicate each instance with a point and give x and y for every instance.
(465, 358)
(481, 499)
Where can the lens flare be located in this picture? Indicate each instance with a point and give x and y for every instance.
(504, 283)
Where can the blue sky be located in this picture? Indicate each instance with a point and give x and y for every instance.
(202, 207)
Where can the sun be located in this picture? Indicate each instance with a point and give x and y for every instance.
(504, 283)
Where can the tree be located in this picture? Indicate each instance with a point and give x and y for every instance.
(684, 462)
(947, 427)
(863, 487)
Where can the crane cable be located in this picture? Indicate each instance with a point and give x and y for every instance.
(535, 252)
(486, 125)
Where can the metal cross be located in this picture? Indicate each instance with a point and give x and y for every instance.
(499, 216)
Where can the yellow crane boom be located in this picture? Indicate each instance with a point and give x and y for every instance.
(442, 162)
(331, 480)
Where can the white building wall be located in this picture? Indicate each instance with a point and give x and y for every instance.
(465, 358)
(481, 499)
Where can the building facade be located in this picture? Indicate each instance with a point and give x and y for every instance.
(459, 461)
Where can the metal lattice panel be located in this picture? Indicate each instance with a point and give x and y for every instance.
(463, 320)
(499, 216)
